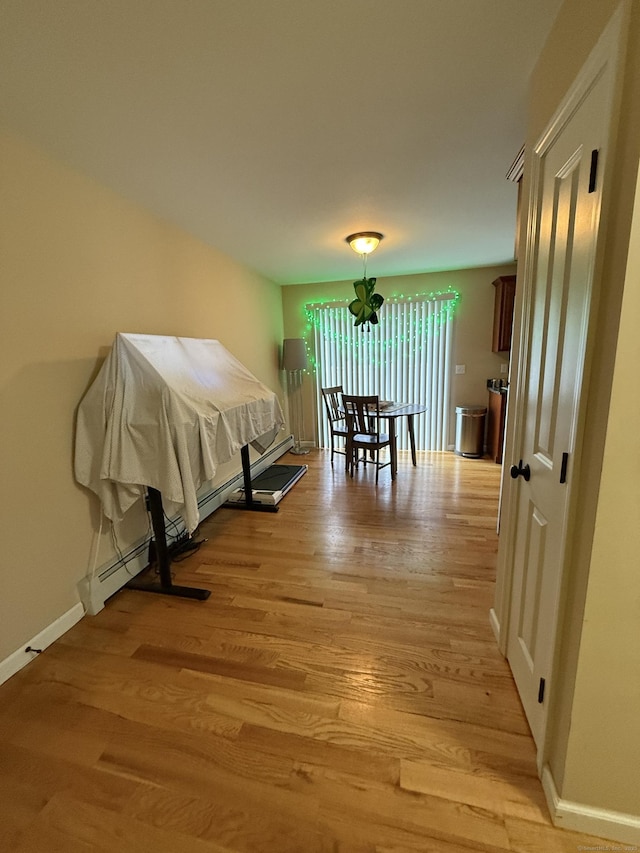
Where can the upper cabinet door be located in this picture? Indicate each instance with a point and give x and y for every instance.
(505, 293)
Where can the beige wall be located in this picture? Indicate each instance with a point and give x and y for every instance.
(473, 333)
(78, 265)
(594, 739)
(607, 693)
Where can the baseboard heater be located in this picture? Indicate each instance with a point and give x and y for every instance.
(118, 571)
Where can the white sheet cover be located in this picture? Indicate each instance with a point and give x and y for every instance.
(166, 412)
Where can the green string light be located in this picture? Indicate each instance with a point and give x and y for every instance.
(417, 335)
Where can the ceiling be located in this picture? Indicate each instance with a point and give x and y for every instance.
(272, 129)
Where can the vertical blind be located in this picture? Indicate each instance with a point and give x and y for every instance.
(405, 358)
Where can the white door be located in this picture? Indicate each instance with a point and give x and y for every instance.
(566, 180)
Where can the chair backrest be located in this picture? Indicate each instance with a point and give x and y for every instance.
(362, 413)
(332, 400)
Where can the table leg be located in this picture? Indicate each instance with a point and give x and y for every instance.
(393, 447)
(412, 439)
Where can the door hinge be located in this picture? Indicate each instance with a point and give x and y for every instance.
(594, 170)
(563, 468)
(541, 691)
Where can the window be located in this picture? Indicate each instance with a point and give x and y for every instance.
(405, 358)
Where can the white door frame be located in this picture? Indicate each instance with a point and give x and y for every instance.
(604, 59)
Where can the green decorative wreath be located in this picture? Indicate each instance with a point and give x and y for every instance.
(366, 303)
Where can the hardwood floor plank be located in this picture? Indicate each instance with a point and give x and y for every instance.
(434, 817)
(40, 777)
(218, 666)
(71, 825)
(513, 797)
(188, 761)
(124, 689)
(241, 821)
(339, 692)
(295, 609)
(529, 837)
(323, 753)
(21, 805)
(352, 830)
(452, 735)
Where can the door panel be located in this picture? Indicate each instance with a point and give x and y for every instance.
(555, 305)
(532, 569)
(563, 248)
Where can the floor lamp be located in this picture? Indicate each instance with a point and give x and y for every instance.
(294, 361)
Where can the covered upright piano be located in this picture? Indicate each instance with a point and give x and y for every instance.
(161, 416)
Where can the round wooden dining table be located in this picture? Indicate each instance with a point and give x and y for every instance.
(392, 413)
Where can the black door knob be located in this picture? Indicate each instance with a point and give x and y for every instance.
(518, 471)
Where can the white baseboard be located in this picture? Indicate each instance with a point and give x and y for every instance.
(53, 632)
(495, 624)
(114, 574)
(578, 817)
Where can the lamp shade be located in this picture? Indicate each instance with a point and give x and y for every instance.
(294, 354)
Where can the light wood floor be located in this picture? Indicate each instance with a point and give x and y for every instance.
(340, 691)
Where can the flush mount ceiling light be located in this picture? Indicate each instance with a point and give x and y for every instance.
(364, 242)
(367, 303)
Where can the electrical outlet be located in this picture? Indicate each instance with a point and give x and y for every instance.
(504, 368)
(461, 368)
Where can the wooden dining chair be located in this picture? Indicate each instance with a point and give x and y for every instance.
(363, 433)
(337, 424)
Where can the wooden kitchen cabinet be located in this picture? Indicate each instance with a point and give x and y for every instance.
(505, 294)
(496, 414)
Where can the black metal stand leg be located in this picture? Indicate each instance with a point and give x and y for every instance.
(166, 585)
(249, 502)
(246, 474)
(159, 531)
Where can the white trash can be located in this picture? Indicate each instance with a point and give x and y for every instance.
(470, 431)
